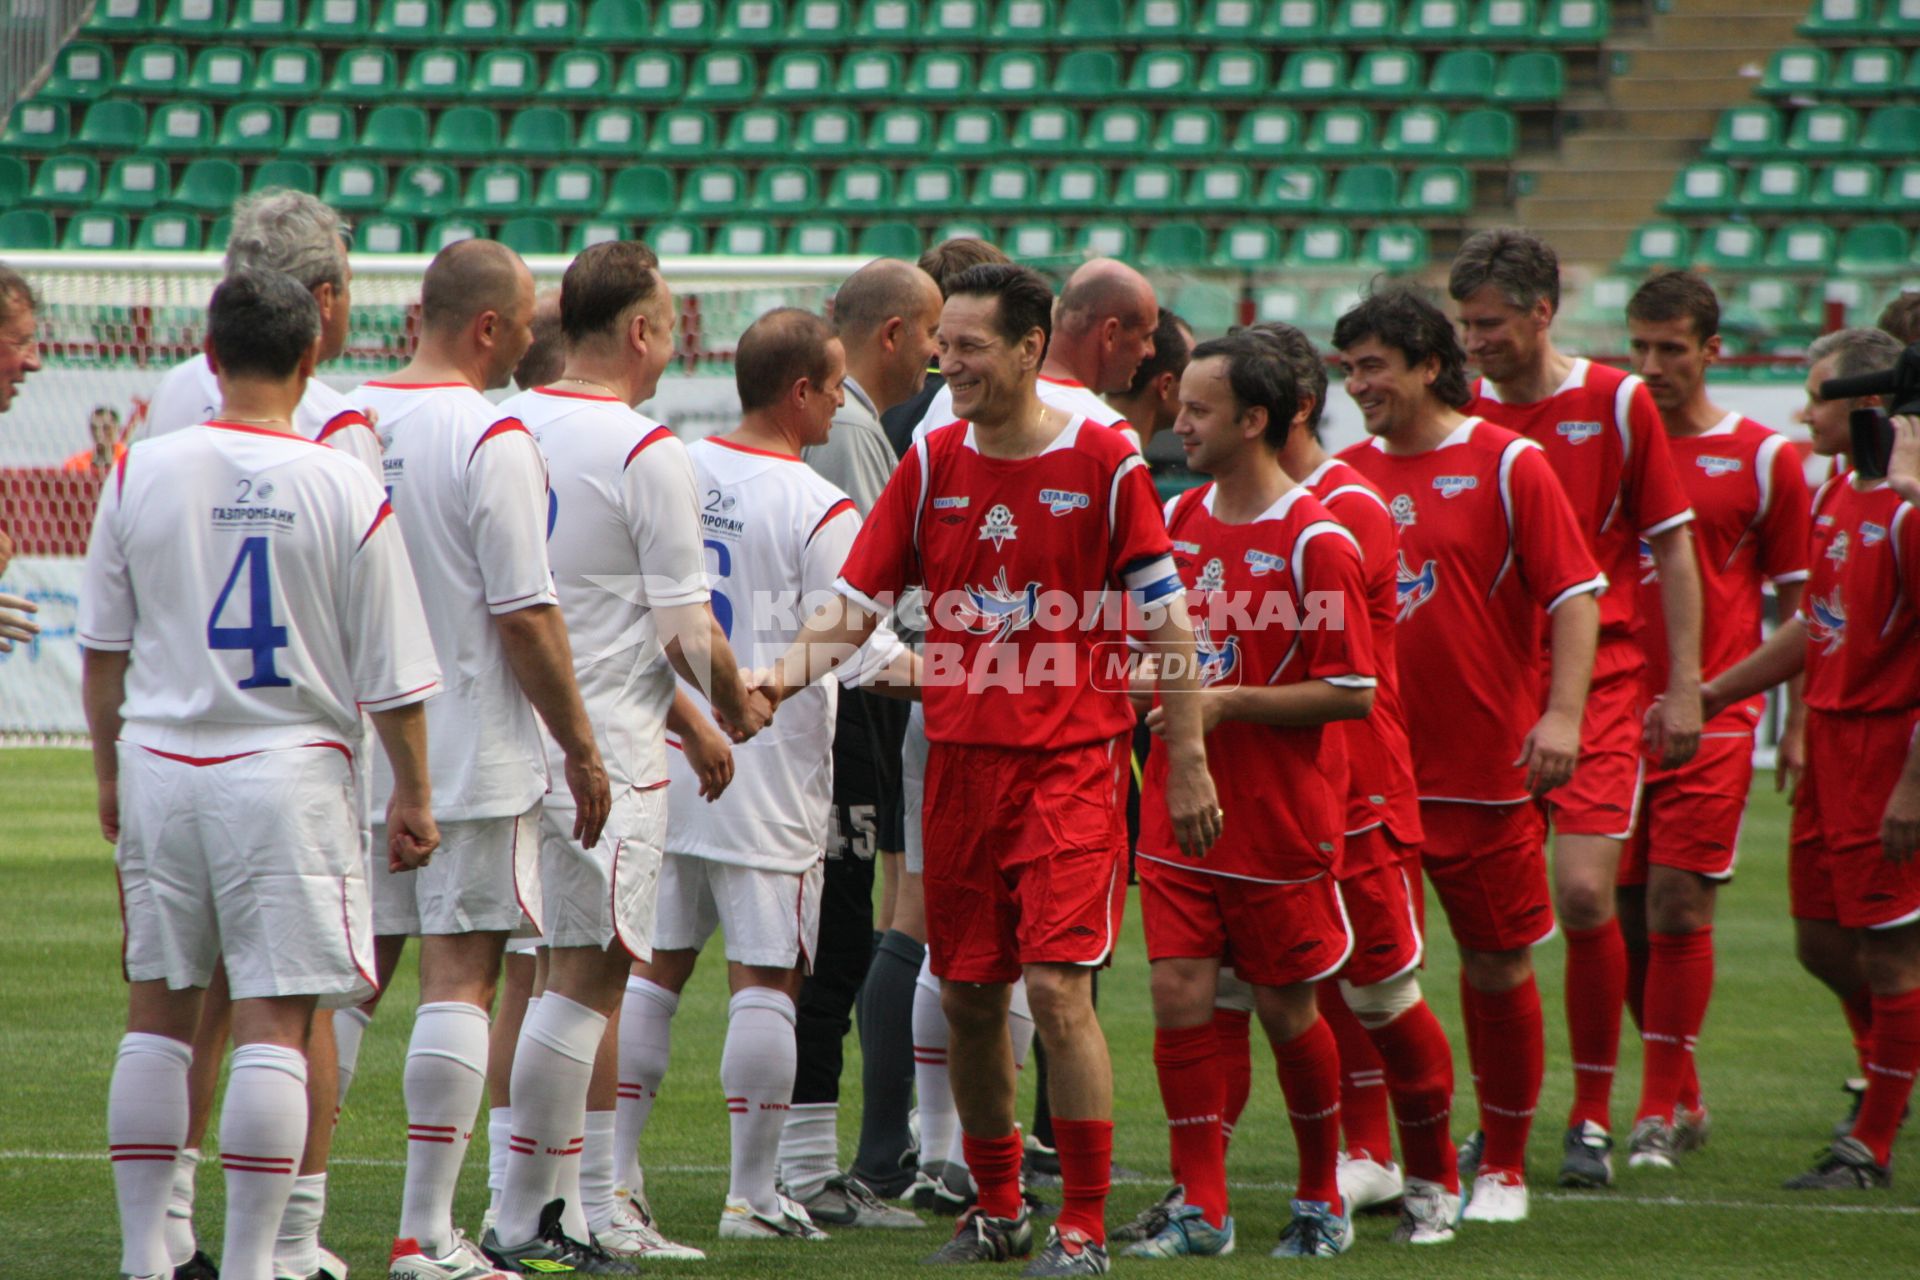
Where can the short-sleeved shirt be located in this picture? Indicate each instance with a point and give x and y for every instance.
(1381, 789)
(1488, 543)
(260, 587)
(189, 393)
(1749, 499)
(624, 540)
(1065, 394)
(1860, 605)
(1024, 562)
(1603, 436)
(469, 490)
(1279, 600)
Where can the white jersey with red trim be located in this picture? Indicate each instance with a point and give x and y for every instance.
(1072, 398)
(190, 394)
(776, 534)
(625, 541)
(261, 589)
(469, 490)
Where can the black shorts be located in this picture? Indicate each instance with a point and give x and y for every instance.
(867, 806)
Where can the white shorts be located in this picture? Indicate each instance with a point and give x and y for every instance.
(590, 897)
(771, 918)
(525, 946)
(484, 878)
(1233, 992)
(913, 787)
(1017, 1004)
(256, 859)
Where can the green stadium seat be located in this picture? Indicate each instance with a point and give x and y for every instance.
(586, 76)
(957, 21)
(1437, 191)
(168, 233)
(1827, 130)
(1366, 190)
(530, 236)
(1891, 132)
(424, 190)
(1234, 73)
(799, 77)
(180, 128)
(36, 125)
(385, 235)
(549, 22)
(1762, 303)
(466, 132)
(1777, 186)
(114, 126)
(1035, 241)
(744, 239)
(1144, 188)
(685, 136)
(1415, 133)
(641, 191)
(676, 239)
(368, 76)
(408, 21)
(446, 231)
(1247, 246)
(26, 229)
(355, 186)
(1872, 72)
(502, 76)
(1747, 131)
(754, 23)
(1320, 246)
(940, 77)
(1387, 73)
(1831, 18)
(1046, 131)
(1104, 239)
(619, 23)
(1090, 74)
(290, 72)
(569, 191)
(611, 131)
(1082, 21)
(1807, 247)
(1531, 77)
(1910, 83)
(477, 22)
(823, 239)
(930, 188)
(1340, 133)
(1009, 187)
(82, 72)
(1902, 189)
(724, 77)
(651, 77)
(1282, 303)
(194, 19)
(337, 21)
(1220, 189)
(1901, 18)
(208, 185)
(900, 131)
(871, 75)
(92, 230)
(714, 190)
(1795, 70)
(122, 18)
(827, 132)
(784, 191)
(1485, 134)
(1705, 187)
(1657, 244)
(1270, 132)
(1503, 22)
(596, 231)
(395, 130)
(1188, 132)
(1575, 22)
(1294, 189)
(224, 71)
(1167, 21)
(891, 240)
(1363, 21)
(1316, 74)
(828, 22)
(1082, 188)
(1436, 22)
(1175, 246)
(1295, 22)
(1395, 249)
(154, 70)
(1022, 22)
(1727, 246)
(1232, 23)
(975, 133)
(503, 190)
(888, 22)
(1873, 249)
(860, 188)
(1118, 131)
(321, 131)
(436, 75)
(1164, 73)
(291, 175)
(759, 131)
(1020, 76)
(135, 184)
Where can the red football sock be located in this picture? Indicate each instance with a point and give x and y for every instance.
(1894, 1061)
(1193, 1090)
(1309, 1070)
(1086, 1169)
(1419, 1066)
(1515, 1045)
(1859, 1010)
(1679, 983)
(1236, 1068)
(1596, 993)
(995, 1166)
(1363, 1080)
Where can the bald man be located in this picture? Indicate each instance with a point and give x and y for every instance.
(469, 490)
(1152, 401)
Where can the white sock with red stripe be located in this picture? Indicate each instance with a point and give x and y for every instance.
(552, 1066)
(263, 1129)
(756, 1071)
(939, 1122)
(181, 1246)
(596, 1171)
(146, 1123)
(445, 1074)
(646, 1036)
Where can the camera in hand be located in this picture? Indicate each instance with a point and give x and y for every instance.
(1872, 428)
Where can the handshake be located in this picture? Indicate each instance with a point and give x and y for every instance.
(752, 709)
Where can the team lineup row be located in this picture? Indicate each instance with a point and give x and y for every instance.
(1505, 580)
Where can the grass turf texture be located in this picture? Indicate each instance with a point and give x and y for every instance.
(1773, 1055)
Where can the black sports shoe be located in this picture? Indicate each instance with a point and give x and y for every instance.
(1153, 1219)
(1069, 1254)
(198, 1267)
(554, 1250)
(1856, 1091)
(1040, 1165)
(1587, 1157)
(985, 1239)
(1847, 1166)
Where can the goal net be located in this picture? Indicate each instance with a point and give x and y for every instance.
(112, 324)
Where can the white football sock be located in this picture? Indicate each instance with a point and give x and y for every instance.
(552, 1067)
(263, 1128)
(181, 1246)
(939, 1121)
(146, 1123)
(646, 1037)
(445, 1075)
(349, 1026)
(596, 1171)
(296, 1250)
(756, 1071)
(1020, 1032)
(499, 1130)
(810, 1148)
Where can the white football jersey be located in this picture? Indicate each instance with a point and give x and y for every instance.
(625, 541)
(469, 491)
(262, 590)
(776, 534)
(190, 394)
(1069, 397)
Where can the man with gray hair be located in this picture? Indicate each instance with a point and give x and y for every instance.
(300, 236)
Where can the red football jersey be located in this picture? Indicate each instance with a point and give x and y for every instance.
(1380, 787)
(1022, 561)
(1749, 498)
(1603, 435)
(1277, 600)
(1487, 542)
(1862, 628)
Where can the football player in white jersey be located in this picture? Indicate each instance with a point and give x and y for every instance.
(19, 356)
(749, 864)
(469, 491)
(629, 568)
(246, 596)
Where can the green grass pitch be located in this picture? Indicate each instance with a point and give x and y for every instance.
(1773, 1055)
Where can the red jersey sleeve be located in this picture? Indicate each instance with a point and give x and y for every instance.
(1543, 533)
(1786, 522)
(1141, 553)
(1337, 642)
(885, 559)
(1655, 499)
(1367, 518)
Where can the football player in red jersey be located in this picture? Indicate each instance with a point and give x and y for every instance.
(1852, 868)
(1749, 498)
(1601, 432)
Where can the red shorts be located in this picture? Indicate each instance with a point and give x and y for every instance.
(1272, 935)
(1837, 869)
(1690, 816)
(1601, 798)
(1488, 864)
(1385, 925)
(1026, 857)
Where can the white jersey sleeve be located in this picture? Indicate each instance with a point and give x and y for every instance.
(663, 513)
(327, 417)
(388, 645)
(187, 395)
(107, 609)
(506, 510)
